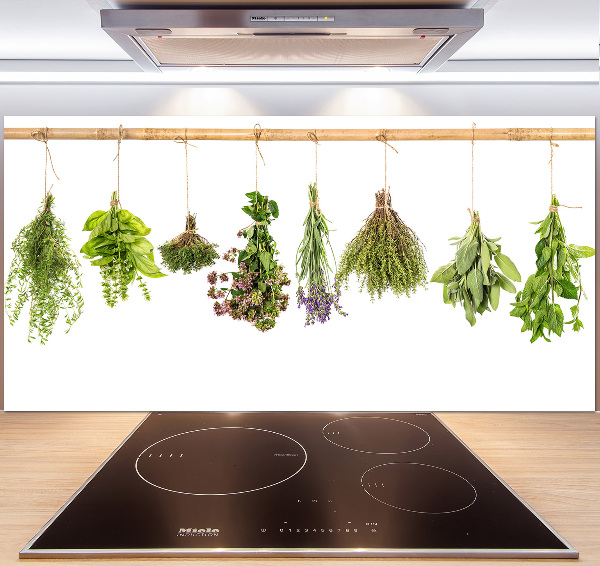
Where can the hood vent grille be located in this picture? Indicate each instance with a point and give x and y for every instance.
(417, 39)
(290, 51)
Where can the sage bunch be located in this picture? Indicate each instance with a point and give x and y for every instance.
(472, 279)
(317, 294)
(189, 251)
(256, 292)
(45, 272)
(557, 275)
(118, 240)
(385, 254)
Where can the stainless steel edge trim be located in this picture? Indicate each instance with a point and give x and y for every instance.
(303, 552)
(27, 547)
(570, 547)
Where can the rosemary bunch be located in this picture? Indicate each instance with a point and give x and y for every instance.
(557, 275)
(117, 240)
(189, 251)
(46, 272)
(385, 254)
(313, 267)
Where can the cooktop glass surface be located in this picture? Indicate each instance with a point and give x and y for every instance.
(295, 484)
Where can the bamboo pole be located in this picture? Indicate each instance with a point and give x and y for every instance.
(199, 134)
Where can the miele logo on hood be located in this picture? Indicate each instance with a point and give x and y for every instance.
(192, 532)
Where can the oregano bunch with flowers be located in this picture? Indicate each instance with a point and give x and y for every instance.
(318, 295)
(256, 292)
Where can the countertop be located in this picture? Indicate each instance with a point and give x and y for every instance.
(552, 460)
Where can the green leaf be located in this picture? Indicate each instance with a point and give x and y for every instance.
(465, 256)
(265, 259)
(506, 283)
(561, 259)
(569, 290)
(103, 260)
(485, 258)
(544, 228)
(469, 314)
(140, 246)
(252, 196)
(250, 232)
(577, 252)
(143, 264)
(539, 247)
(559, 319)
(139, 226)
(124, 215)
(94, 219)
(495, 295)
(475, 284)
(128, 238)
(492, 247)
(444, 274)
(274, 208)
(454, 238)
(508, 267)
(546, 253)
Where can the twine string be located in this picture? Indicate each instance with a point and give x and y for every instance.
(42, 136)
(184, 141)
(118, 158)
(312, 136)
(553, 207)
(257, 152)
(472, 172)
(382, 137)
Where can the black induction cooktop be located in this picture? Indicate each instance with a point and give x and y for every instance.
(295, 484)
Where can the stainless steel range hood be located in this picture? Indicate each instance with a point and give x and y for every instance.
(412, 39)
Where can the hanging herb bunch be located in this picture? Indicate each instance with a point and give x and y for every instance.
(256, 293)
(46, 272)
(472, 279)
(558, 275)
(118, 240)
(189, 251)
(313, 268)
(385, 254)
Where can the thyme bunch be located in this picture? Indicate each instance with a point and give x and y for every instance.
(189, 251)
(313, 267)
(46, 272)
(557, 275)
(117, 240)
(385, 254)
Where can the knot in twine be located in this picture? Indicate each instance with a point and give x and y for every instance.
(553, 208)
(472, 215)
(114, 202)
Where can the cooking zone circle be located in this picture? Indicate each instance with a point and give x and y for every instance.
(376, 435)
(418, 488)
(221, 461)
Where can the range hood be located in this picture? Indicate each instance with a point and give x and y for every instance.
(416, 40)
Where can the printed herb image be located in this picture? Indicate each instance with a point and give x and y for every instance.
(472, 279)
(45, 272)
(189, 251)
(318, 295)
(117, 240)
(385, 254)
(256, 293)
(558, 275)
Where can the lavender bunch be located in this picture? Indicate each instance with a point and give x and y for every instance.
(312, 265)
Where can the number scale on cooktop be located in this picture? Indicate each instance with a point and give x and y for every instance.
(295, 484)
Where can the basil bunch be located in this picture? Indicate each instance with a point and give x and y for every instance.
(557, 275)
(117, 240)
(46, 272)
(472, 279)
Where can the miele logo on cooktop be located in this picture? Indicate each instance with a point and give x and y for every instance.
(192, 532)
(285, 454)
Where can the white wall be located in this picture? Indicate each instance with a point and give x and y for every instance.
(395, 354)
